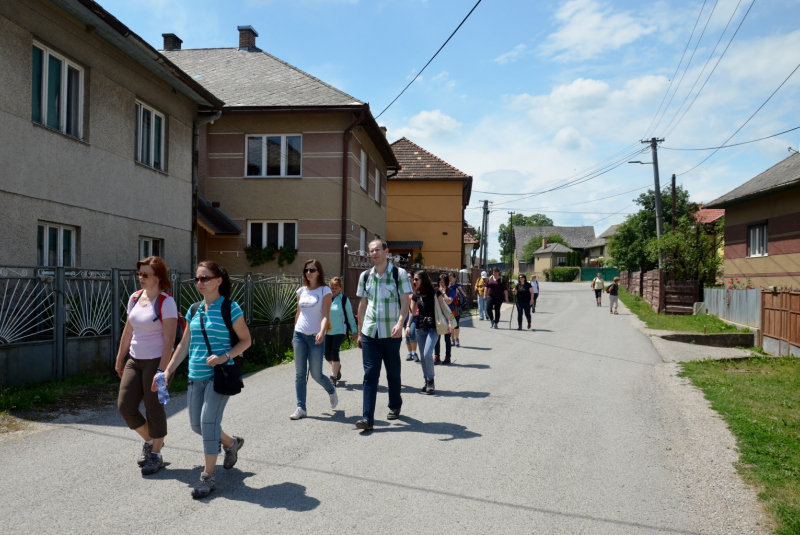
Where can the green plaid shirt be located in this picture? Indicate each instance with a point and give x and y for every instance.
(382, 302)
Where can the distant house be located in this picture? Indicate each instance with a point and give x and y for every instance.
(578, 238)
(470, 243)
(426, 201)
(293, 164)
(762, 227)
(549, 256)
(96, 140)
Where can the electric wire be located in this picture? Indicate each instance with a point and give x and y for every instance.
(742, 143)
(571, 204)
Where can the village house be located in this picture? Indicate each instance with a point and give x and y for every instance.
(95, 139)
(580, 239)
(292, 165)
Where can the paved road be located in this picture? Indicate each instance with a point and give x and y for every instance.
(577, 427)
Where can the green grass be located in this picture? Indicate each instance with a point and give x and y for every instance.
(703, 323)
(760, 400)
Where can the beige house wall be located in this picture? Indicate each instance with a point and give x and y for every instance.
(92, 184)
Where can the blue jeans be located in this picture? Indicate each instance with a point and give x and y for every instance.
(205, 413)
(426, 338)
(481, 306)
(412, 330)
(308, 356)
(375, 351)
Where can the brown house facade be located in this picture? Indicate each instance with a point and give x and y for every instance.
(272, 172)
(762, 227)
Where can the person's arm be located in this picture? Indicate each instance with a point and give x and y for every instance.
(362, 314)
(397, 330)
(349, 311)
(169, 325)
(177, 357)
(326, 310)
(411, 310)
(124, 347)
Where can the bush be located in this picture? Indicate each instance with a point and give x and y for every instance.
(564, 274)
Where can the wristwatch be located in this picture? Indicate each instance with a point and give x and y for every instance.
(228, 355)
(159, 370)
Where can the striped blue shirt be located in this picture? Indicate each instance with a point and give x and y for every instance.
(218, 337)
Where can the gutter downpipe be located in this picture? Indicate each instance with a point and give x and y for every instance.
(345, 184)
(195, 163)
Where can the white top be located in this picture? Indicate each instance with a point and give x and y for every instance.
(148, 335)
(310, 303)
(535, 286)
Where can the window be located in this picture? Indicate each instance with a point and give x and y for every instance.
(275, 234)
(274, 155)
(362, 239)
(57, 92)
(149, 139)
(377, 186)
(363, 169)
(151, 247)
(758, 240)
(55, 245)
(561, 261)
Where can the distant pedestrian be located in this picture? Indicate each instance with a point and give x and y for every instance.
(535, 289)
(213, 325)
(310, 326)
(382, 311)
(148, 338)
(479, 286)
(524, 300)
(613, 296)
(342, 324)
(455, 290)
(442, 287)
(598, 287)
(411, 327)
(424, 301)
(496, 293)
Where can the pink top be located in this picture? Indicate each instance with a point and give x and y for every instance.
(148, 335)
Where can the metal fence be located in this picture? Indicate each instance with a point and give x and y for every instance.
(739, 306)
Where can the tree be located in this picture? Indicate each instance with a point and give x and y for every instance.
(519, 220)
(628, 246)
(691, 251)
(536, 242)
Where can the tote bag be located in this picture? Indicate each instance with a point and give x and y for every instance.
(442, 324)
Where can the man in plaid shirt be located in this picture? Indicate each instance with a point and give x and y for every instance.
(382, 310)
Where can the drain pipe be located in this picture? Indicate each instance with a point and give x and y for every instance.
(195, 163)
(345, 184)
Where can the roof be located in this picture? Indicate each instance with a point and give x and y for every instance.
(610, 231)
(576, 237)
(553, 248)
(419, 164)
(109, 28)
(254, 78)
(469, 238)
(783, 175)
(708, 215)
(404, 244)
(214, 220)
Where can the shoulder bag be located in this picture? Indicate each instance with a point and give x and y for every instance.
(227, 378)
(442, 322)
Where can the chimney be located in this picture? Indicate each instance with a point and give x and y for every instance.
(247, 38)
(384, 130)
(544, 243)
(171, 41)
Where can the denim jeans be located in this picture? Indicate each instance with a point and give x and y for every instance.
(482, 306)
(205, 413)
(412, 330)
(375, 351)
(426, 338)
(308, 356)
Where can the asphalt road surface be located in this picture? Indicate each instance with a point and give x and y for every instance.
(575, 427)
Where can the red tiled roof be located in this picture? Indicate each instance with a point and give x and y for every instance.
(708, 215)
(418, 164)
(469, 238)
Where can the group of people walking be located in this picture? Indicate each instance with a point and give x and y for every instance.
(493, 292)
(612, 290)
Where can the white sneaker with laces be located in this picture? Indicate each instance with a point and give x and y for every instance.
(334, 399)
(298, 413)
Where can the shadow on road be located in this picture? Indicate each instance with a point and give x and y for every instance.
(478, 348)
(455, 431)
(473, 366)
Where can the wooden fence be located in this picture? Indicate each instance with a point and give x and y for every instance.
(780, 322)
(672, 297)
(654, 290)
(631, 281)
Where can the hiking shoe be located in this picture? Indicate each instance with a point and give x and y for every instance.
(458, 342)
(425, 387)
(147, 449)
(154, 463)
(232, 453)
(410, 357)
(334, 399)
(416, 357)
(519, 328)
(529, 325)
(431, 388)
(436, 360)
(394, 414)
(298, 413)
(446, 360)
(204, 487)
(333, 379)
(364, 425)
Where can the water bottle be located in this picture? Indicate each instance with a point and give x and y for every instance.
(163, 393)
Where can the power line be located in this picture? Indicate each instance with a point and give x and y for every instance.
(742, 143)
(577, 203)
(615, 213)
(430, 60)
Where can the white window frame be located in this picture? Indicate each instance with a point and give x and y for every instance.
(280, 223)
(138, 125)
(758, 241)
(561, 261)
(284, 155)
(149, 241)
(362, 239)
(65, 63)
(60, 245)
(377, 185)
(363, 170)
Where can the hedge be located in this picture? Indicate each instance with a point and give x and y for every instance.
(564, 274)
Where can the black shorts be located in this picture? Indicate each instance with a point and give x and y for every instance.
(456, 327)
(598, 293)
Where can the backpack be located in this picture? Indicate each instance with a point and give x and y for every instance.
(347, 329)
(159, 304)
(225, 310)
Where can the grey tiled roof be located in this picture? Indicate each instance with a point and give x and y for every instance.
(610, 231)
(576, 237)
(553, 248)
(778, 176)
(254, 78)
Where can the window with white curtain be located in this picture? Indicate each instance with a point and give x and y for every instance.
(363, 170)
(758, 242)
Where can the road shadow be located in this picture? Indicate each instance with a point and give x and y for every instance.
(455, 364)
(476, 348)
(461, 394)
(359, 387)
(406, 424)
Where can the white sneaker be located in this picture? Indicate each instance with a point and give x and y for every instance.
(334, 399)
(298, 413)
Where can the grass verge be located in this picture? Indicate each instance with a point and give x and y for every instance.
(760, 400)
(703, 323)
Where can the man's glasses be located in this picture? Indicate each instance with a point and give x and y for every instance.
(204, 280)
(310, 270)
(143, 275)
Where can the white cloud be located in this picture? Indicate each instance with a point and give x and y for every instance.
(429, 125)
(569, 139)
(589, 28)
(511, 56)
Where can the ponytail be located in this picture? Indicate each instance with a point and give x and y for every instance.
(221, 272)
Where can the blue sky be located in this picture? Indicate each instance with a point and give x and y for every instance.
(529, 93)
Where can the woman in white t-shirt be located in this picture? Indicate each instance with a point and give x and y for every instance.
(148, 337)
(310, 328)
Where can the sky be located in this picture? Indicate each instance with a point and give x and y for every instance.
(530, 95)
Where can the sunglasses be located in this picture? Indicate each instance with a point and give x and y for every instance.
(310, 270)
(144, 275)
(204, 280)
(416, 279)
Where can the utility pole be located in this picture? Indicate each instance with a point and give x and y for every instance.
(673, 202)
(659, 214)
(511, 243)
(485, 237)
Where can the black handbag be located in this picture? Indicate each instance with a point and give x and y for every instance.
(227, 378)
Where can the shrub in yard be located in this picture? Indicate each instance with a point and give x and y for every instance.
(564, 274)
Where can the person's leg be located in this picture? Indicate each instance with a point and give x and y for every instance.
(448, 345)
(412, 330)
(489, 309)
(195, 393)
(436, 350)
(526, 307)
(156, 416)
(371, 356)
(496, 304)
(519, 314)
(315, 366)
(300, 342)
(426, 340)
(456, 331)
(390, 354)
(481, 306)
(535, 297)
(333, 345)
(211, 425)
(129, 398)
